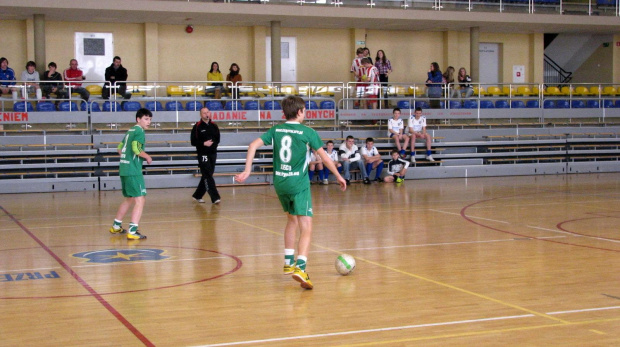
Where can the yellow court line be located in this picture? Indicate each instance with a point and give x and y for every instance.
(442, 284)
(485, 332)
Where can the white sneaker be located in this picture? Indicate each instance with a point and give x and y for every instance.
(216, 201)
(412, 159)
(430, 158)
(325, 181)
(199, 200)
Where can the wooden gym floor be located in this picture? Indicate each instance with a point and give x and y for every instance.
(510, 261)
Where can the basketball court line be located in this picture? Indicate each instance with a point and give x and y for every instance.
(426, 279)
(82, 282)
(470, 321)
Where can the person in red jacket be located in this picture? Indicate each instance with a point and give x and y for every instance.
(73, 75)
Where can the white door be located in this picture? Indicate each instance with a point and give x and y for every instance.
(94, 53)
(489, 63)
(288, 59)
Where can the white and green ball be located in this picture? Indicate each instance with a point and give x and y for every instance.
(345, 264)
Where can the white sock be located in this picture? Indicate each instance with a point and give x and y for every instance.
(39, 94)
(14, 95)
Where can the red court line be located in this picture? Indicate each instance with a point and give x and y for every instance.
(86, 286)
(463, 214)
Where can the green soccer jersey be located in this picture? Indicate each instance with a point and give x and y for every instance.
(291, 155)
(131, 164)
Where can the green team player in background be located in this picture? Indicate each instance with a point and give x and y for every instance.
(292, 143)
(132, 154)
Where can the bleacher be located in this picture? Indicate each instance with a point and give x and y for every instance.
(74, 148)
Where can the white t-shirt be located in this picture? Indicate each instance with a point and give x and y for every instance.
(313, 157)
(369, 152)
(417, 124)
(333, 155)
(396, 125)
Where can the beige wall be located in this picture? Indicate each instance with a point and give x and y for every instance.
(596, 69)
(14, 44)
(322, 54)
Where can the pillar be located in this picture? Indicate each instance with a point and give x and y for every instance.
(474, 53)
(39, 43)
(276, 52)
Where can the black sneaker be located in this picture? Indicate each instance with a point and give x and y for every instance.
(379, 179)
(348, 182)
(366, 180)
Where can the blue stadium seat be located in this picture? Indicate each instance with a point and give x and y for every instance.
(23, 107)
(501, 104)
(131, 106)
(606, 2)
(311, 105)
(94, 107)
(486, 104)
(403, 104)
(517, 104)
(562, 104)
(617, 103)
(532, 104)
(470, 104)
(252, 105)
(455, 104)
(577, 104)
(214, 105)
(422, 104)
(549, 104)
(442, 104)
(153, 106)
(67, 106)
(272, 105)
(46, 106)
(173, 106)
(233, 105)
(593, 104)
(193, 106)
(111, 106)
(327, 105)
(608, 103)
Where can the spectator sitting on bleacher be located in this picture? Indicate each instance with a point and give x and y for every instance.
(372, 158)
(114, 74)
(73, 75)
(316, 164)
(417, 130)
(397, 169)
(351, 159)
(396, 129)
(215, 75)
(235, 77)
(6, 76)
(333, 155)
(56, 88)
(466, 89)
(31, 75)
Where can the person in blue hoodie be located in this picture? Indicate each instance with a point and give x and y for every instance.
(434, 84)
(7, 78)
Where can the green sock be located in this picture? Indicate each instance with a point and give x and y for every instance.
(133, 228)
(289, 256)
(117, 224)
(301, 262)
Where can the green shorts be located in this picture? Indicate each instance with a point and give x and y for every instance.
(133, 186)
(299, 204)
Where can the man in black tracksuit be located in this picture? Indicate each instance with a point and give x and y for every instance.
(115, 74)
(206, 137)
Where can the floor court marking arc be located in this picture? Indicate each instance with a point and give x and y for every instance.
(83, 283)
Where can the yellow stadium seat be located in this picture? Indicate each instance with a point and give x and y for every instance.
(609, 90)
(480, 91)
(523, 90)
(418, 90)
(581, 91)
(175, 91)
(566, 91)
(536, 91)
(194, 90)
(494, 91)
(94, 89)
(552, 91)
(595, 90)
(507, 90)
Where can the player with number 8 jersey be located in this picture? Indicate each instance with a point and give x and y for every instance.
(291, 142)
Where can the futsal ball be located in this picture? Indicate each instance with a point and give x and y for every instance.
(345, 264)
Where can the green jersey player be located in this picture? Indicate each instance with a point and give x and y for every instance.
(292, 142)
